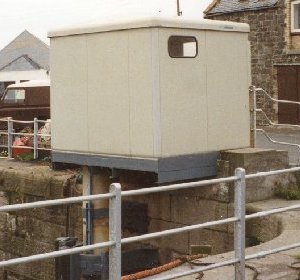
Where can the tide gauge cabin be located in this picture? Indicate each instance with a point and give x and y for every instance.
(162, 95)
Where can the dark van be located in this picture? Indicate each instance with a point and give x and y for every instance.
(26, 101)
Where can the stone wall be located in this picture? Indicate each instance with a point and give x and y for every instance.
(203, 204)
(34, 231)
(24, 233)
(271, 45)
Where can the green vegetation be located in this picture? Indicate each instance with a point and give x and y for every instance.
(3, 153)
(291, 192)
(25, 157)
(297, 256)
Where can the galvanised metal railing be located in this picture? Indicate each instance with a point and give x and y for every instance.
(10, 133)
(115, 235)
(255, 91)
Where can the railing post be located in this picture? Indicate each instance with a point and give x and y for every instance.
(115, 232)
(35, 138)
(9, 136)
(239, 229)
(253, 116)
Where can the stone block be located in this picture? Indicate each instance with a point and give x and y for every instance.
(19, 246)
(177, 243)
(255, 160)
(192, 210)
(159, 205)
(55, 215)
(220, 241)
(39, 230)
(41, 270)
(217, 192)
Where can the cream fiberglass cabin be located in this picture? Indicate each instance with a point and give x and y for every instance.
(162, 95)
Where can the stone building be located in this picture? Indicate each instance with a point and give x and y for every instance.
(275, 47)
(25, 58)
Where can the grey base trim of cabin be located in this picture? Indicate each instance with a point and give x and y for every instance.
(168, 169)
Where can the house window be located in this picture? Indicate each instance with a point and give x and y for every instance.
(182, 46)
(296, 16)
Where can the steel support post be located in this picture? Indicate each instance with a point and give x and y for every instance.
(89, 206)
(35, 138)
(253, 117)
(9, 137)
(240, 225)
(115, 232)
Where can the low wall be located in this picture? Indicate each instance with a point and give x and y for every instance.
(29, 232)
(24, 233)
(203, 204)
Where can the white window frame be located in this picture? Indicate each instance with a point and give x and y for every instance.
(293, 3)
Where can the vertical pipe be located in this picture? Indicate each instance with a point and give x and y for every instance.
(239, 229)
(35, 138)
(9, 136)
(115, 232)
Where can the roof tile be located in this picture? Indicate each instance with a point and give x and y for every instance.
(231, 6)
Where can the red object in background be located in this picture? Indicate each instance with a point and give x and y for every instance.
(23, 141)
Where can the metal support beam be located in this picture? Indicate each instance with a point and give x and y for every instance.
(115, 232)
(89, 207)
(240, 226)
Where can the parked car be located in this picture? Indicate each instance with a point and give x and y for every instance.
(27, 100)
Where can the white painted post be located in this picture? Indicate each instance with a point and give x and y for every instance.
(35, 138)
(115, 232)
(240, 225)
(254, 116)
(9, 136)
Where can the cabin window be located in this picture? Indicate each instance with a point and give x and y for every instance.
(14, 96)
(295, 16)
(183, 46)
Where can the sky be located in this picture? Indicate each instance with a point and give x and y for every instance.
(40, 16)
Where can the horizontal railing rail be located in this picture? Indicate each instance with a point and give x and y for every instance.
(254, 92)
(115, 241)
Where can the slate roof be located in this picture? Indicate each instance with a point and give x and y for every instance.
(25, 52)
(231, 6)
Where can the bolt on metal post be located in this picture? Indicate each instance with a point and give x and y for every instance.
(240, 225)
(115, 232)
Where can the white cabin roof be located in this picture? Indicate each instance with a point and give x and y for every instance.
(30, 84)
(150, 22)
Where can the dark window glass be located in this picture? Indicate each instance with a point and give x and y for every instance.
(296, 16)
(182, 46)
